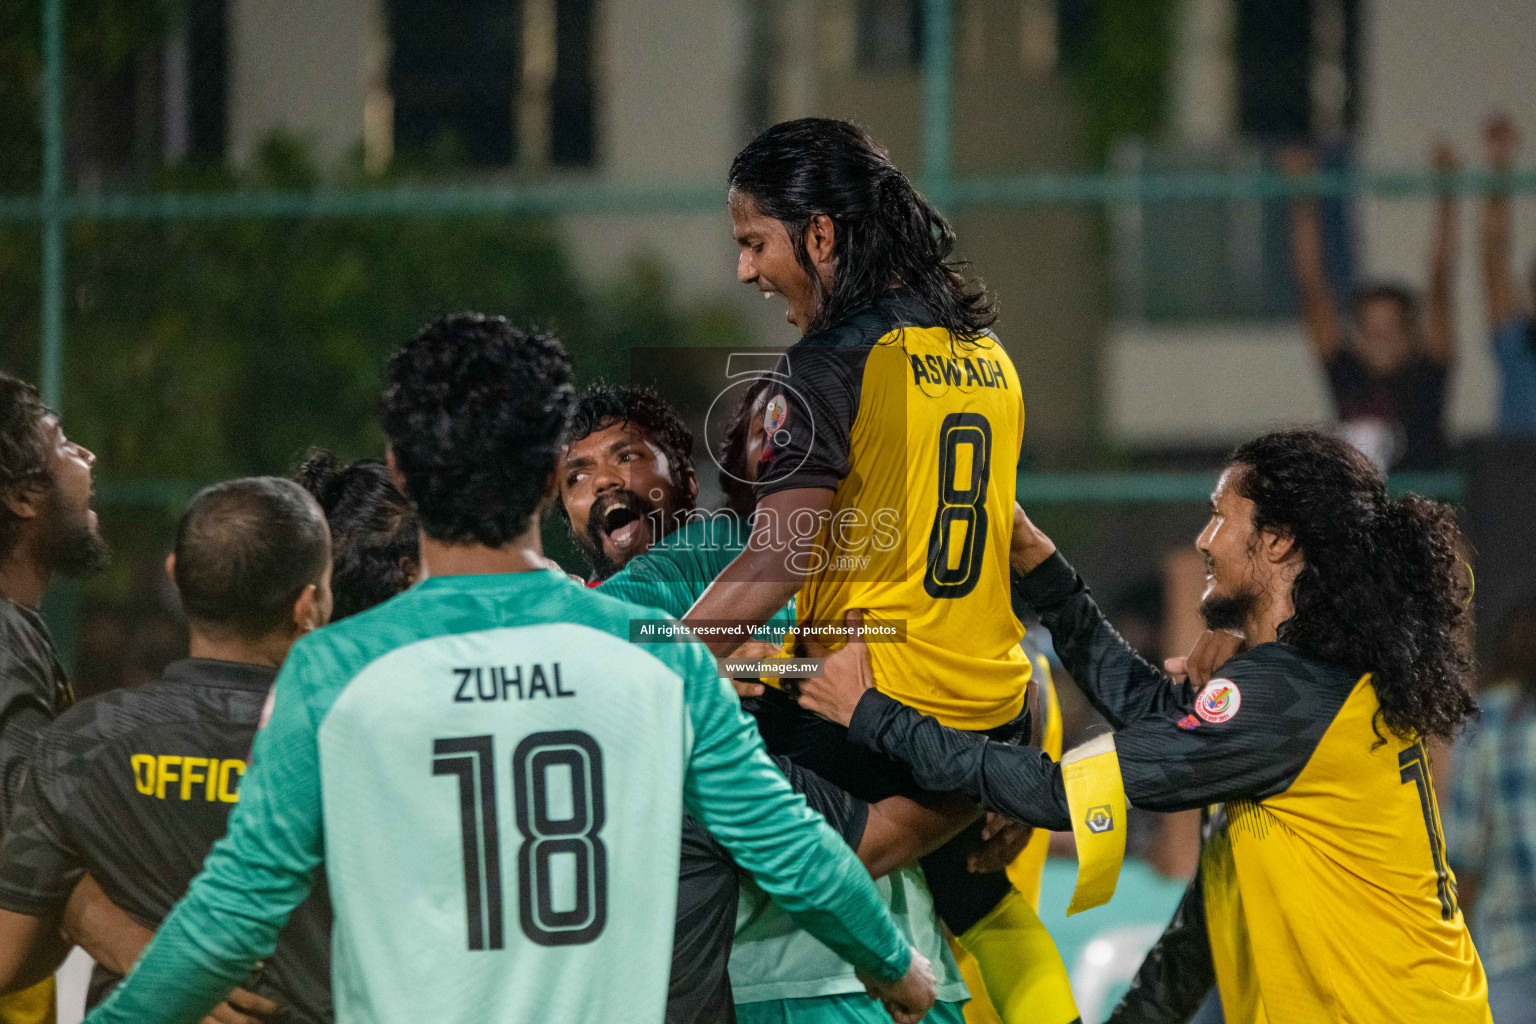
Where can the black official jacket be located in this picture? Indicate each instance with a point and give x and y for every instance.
(33, 691)
(135, 787)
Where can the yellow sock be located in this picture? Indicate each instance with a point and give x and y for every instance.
(1013, 969)
(33, 1005)
(979, 1010)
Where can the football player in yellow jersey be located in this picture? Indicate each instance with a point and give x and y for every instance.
(887, 484)
(1322, 893)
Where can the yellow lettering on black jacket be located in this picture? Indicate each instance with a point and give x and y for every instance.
(187, 777)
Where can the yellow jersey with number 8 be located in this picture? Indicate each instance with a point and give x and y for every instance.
(917, 435)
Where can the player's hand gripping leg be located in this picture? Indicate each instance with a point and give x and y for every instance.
(756, 650)
(242, 1007)
(846, 674)
(909, 999)
(1002, 840)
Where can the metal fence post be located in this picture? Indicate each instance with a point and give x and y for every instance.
(938, 67)
(51, 381)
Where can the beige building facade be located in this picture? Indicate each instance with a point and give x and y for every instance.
(680, 85)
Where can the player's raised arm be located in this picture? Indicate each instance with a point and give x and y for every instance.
(253, 878)
(1439, 297)
(805, 457)
(1320, 310)
(734, 790)
(1119, 682)
(1503, 304)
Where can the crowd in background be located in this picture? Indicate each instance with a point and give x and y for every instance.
(1388, 354)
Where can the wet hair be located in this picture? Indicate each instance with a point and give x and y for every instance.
(732, 452)
(374, 535)
(1404, 297)
(885, 232)
(23, 451)
(601, 405)
(474, 410)
(1383, 588)
(245, 551)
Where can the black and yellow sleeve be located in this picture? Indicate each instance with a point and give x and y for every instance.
(1021, 782)
(1247, 733)
(808, 420)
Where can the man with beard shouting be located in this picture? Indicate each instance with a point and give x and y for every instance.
(47, 528)
(628, 451)
(627, 476)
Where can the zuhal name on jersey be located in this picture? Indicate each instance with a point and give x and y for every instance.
(495, 682)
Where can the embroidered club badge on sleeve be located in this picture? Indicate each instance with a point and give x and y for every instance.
(1219, 701)
(775, 437)
(775, 414)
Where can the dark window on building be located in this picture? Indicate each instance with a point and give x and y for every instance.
(1074, 33)
(1274, 61)
(763, 51)
(453, 74)
(1297, 66)
(207, 96)
(161, 100)
(889, 34)
(570, 97)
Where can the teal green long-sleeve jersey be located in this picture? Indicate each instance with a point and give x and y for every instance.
(493, 778)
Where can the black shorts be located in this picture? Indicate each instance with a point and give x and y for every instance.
(700, 989)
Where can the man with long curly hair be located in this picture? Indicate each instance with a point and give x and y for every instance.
(47, 529)
(1323, 891)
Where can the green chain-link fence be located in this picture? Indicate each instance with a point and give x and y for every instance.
(140, 261)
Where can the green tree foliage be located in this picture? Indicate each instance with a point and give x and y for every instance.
(102, 39)
(1123, 67)
(204, 350)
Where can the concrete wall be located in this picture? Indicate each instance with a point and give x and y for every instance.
(669, 109)
(305, 68)
(1210, 384)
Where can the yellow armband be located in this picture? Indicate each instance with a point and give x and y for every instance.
(1096, 802)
